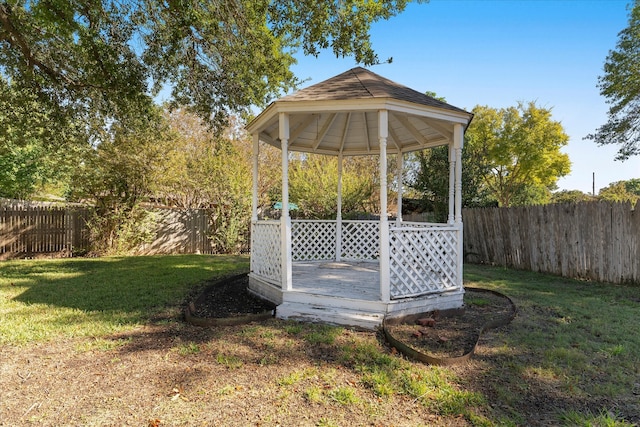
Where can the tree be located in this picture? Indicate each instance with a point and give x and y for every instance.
(208, 171)
(571, 196)
(117, 176)
(620, 85)
(31, 147)
(432, 179)
(621, 191)
(102, 60)
(522, 149)
(313, 185)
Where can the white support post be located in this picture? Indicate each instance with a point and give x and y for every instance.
(458, 136)
(255, 156)
(383, 133)
(285, 219)
(400, 167)
(339, 212)
(458, 143)
(452, 180)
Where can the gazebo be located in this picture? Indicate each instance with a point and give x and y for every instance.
(357, 272)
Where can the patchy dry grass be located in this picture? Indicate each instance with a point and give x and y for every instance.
(79, 348)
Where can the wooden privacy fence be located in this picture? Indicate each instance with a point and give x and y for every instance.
(27, 230)
(591, 240)
(179, 232)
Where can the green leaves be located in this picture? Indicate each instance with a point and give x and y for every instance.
(620, 85)
(219, 58)
(313, 184)
(510, 155)
(621, 191)
(522, 147)
(342, 26)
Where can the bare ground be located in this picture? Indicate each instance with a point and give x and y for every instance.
(170, 373)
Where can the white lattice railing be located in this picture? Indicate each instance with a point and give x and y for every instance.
(313, 240)
(265, 251)
(360, 240)
(423, 259)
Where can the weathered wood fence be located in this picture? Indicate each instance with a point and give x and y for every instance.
(592, 240)
(31, 229)
(179, 232)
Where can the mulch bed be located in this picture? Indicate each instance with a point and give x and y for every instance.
(229, 297)
(228, 302)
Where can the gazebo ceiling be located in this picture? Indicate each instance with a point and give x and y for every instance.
(340, 115)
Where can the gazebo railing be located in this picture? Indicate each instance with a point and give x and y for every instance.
(317, 240)
(360, 240)
(313, 240)
(266, 261)
(423, 256)
(423, 259)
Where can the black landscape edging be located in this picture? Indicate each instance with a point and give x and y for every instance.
(445, 361)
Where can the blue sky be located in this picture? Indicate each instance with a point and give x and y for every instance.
(500, 52)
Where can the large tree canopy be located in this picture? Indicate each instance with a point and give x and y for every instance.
(511, 156)
(522, 147)
(105, 58)
(620, 85)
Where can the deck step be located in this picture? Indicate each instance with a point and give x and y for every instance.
(338, 302)
(328, 314)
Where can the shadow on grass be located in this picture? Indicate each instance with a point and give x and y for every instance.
(116, 284)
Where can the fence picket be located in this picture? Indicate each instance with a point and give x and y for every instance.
(594, 240)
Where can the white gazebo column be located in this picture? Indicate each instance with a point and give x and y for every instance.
(285, 219)
(255, 157)
(452, 180)
(383, 133)
(400, 166)
(339, 212)
(458, 143)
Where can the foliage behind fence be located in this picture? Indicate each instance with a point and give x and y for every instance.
(591, 240)
(31, 229)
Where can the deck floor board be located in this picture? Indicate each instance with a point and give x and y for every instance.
(344, 279)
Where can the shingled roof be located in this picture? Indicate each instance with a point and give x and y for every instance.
(340, 116)
(360, 83)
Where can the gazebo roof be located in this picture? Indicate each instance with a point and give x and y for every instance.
(340, 115)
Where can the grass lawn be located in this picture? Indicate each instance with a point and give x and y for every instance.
(92, 297)
(101, 342)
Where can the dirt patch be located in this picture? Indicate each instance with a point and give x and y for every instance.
(453, 334)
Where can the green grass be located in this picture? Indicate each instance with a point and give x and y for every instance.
(603, 419)
(42, 300)
(576, 338)
(344, 396)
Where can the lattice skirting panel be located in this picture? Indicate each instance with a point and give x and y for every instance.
(423, 261)
(265, 250)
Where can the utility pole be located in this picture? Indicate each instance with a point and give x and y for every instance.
(593, 185)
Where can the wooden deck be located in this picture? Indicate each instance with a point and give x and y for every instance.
(353, 280)
(345, 293)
